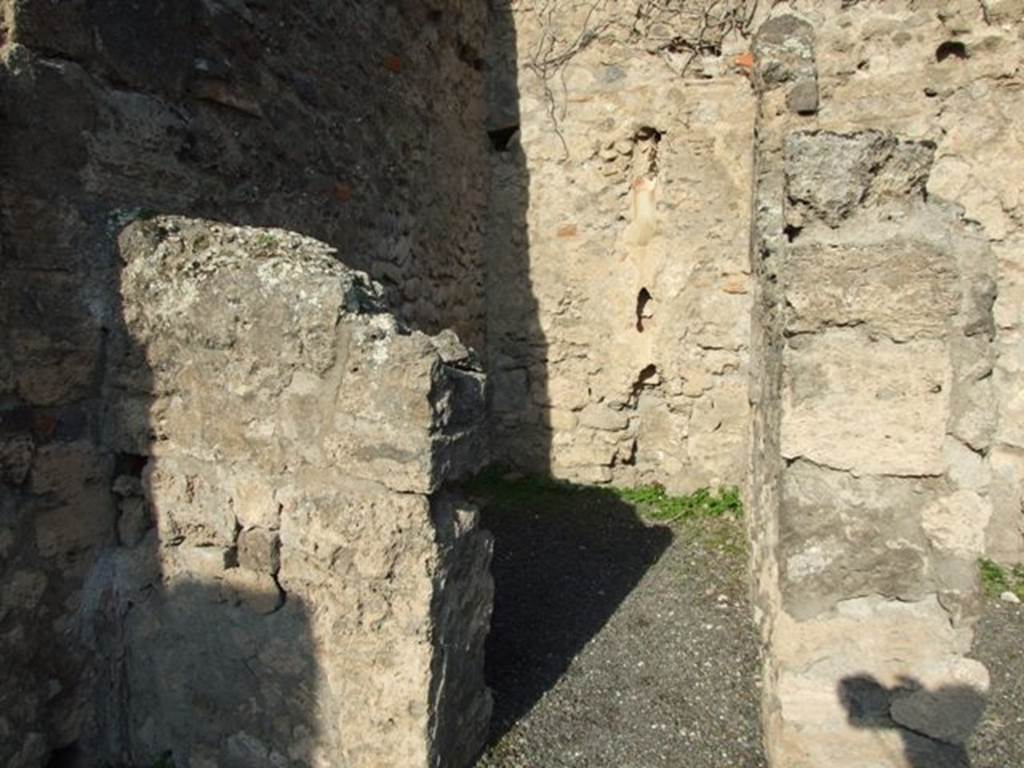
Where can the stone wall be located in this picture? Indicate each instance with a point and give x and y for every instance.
(361, 125)
(881, 451)
(186, 466)
(292, 586)
(617, 250)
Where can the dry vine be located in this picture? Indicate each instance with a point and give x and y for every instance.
(665, 28)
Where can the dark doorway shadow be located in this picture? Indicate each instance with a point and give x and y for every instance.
(935, 726)
(517, 346)
(565, 557)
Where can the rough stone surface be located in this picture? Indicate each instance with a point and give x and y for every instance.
(618, 277)
(331, 619)
(692, 243)
(361, 126)
(878, 473)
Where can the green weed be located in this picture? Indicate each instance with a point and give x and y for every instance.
(656, 503)
(995, 579)
(651, 501)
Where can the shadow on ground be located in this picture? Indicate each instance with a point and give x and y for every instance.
(565, 557)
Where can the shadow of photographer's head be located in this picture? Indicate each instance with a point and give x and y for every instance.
(935, 724)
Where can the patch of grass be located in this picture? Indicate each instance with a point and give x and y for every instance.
(656, 503)
(651, 501)
(995, 579)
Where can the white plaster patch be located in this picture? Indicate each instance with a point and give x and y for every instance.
(813, 560)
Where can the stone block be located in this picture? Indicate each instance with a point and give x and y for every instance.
(957, 523)
(259, 550)
(841, 535)
(253, 501)
(901, 406)
(190, 503)
(904, 289)
(16, 453)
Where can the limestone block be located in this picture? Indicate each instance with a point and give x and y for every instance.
(901, 288)
(183, 286)
(1005, 534)
(958, 522)
(829, 175)
(966, 468)
(842, 535)
(190, 503)
(901, 407)
(253, 501)
(974, 412)
(784, 54)
(838, 672)
(601, 417)
(258, 550)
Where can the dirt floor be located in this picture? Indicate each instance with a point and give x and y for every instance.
(999, 645)
(617, 640)
(622, 641)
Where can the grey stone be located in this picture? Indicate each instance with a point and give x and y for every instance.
(802, 97)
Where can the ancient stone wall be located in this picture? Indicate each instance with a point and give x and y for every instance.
(360, 124)
(224, 524)
(882, 452)
(292, 586)
(620, 306)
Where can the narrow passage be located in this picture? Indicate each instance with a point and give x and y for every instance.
(618, 640)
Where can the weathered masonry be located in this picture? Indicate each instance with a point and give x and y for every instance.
(274, 278)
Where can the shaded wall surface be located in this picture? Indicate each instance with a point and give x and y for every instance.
(358, 123)
(318, 600)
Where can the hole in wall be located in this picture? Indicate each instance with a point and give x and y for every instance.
(502, 137)
(648, 377)
(648, 132)
(642, 312)
(130, 464)
(69, 756)
(951, 48)
(645, 155)
(792, 232)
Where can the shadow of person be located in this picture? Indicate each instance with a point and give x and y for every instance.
(934, 725)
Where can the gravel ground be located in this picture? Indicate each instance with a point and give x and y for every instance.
(999, 645)
(617, 641)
